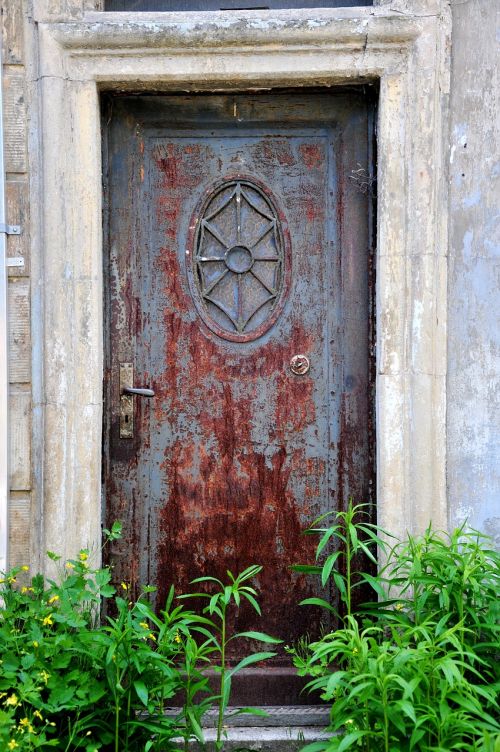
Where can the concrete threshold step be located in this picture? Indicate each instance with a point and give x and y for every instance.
(285, 729)
(264, 738)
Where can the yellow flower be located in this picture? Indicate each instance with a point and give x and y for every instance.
(12, 700)
(54, 599)
(12, 580)
(177, 637)
(25, 725)
(25, 568)
(69, 565)
(37, 714)
(44, 675)
(83, 556)
(24, 590)
(399, 606)
(144, 624)
(47, 621)
(152, 637)
(124, 586)
(12, 744)
(35, 643)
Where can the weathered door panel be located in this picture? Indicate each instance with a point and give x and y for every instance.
(236, 242)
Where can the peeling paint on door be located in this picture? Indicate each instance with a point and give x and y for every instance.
(236, 454)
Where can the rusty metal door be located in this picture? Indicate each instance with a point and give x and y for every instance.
(238, 291)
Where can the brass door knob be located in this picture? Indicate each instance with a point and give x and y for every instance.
(299, 364)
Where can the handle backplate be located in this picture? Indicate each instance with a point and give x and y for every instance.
(126, 401)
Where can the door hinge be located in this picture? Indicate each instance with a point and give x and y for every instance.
(10, 229)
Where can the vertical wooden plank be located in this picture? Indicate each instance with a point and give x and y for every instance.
(17, 202)
(20, 432)
(14, 122)
(19, 331)
(12, 31)
(19, 530)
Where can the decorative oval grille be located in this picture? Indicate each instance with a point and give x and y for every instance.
(238, 267)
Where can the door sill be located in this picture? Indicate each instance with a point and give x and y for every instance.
(278, 716)
(263, 739)
(287, 728)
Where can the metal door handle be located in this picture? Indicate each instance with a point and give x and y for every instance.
(127, 394)
(139, 391)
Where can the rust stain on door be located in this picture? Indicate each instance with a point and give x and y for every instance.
(236, 454)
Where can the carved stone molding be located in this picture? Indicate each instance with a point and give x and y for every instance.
(407, 56)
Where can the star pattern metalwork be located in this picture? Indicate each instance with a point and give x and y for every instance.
(239, 257)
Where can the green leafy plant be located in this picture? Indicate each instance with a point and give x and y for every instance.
(417, 668)
(457, 574)
(226, 596)
(351, 538)
(71, 683)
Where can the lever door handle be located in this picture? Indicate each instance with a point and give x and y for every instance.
(139, 391)
(127, 393)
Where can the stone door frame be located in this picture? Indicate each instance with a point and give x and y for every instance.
(77, 59)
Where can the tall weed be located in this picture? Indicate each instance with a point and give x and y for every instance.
(417, 668)
(69, 682)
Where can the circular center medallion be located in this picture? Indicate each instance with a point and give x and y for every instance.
(239, 259)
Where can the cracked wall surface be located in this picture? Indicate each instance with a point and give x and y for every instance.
(473, 418)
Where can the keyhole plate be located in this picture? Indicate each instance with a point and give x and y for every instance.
(126, 402)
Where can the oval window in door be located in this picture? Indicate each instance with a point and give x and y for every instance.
(240, 260)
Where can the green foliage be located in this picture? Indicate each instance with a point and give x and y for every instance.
(69, 682)
(416, 670)
(219, 602)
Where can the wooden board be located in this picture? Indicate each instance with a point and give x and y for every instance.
(15, 123)
(19, 331)
(12, 31)
(17, 212)
(19, 530)
(20, 434)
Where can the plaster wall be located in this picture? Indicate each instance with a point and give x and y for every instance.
(473, 388)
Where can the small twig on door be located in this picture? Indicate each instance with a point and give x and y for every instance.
(365, 183)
